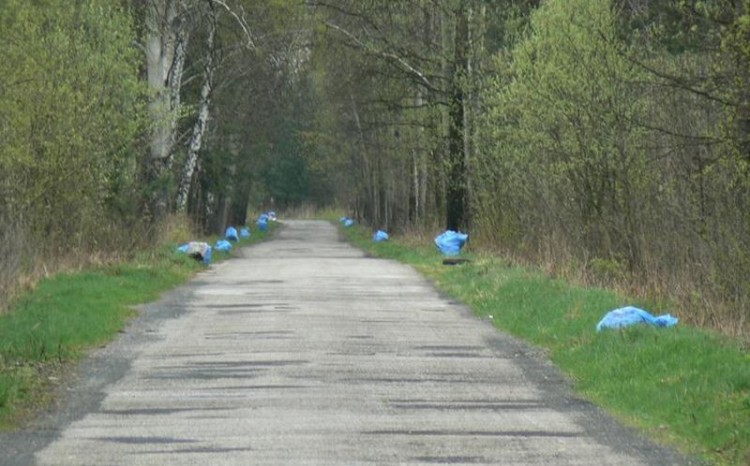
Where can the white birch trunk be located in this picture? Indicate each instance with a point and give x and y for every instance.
(175, 87)
(201, 123)
(165, 47)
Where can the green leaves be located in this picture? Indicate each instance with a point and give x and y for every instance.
(70, 111)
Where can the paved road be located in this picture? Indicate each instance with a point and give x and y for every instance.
(304, 351)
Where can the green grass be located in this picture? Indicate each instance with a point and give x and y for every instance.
(684, 386)
(69, 314)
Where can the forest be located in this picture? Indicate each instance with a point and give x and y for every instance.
(604, 141)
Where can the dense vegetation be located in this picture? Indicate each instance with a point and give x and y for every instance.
(606, 140)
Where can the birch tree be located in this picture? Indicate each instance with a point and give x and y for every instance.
(199, 128)
(167, 32)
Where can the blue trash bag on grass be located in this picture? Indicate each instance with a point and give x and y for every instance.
(223, 245)
(262, 222)
(244, 232)
(231, 234)
(346, 221)
(629, 315)
(380, 236)
(450, 242)
(197, 250)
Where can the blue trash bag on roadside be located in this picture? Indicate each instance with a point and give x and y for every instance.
(244, 232)
(629, 315)
(231, 234)
(197, 250)
(223, 245)
(348, 222)
(263, 222)
(380, 236)
(450, 242)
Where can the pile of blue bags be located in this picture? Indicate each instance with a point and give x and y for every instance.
(202, 251)
(264, 218)
(198, 250)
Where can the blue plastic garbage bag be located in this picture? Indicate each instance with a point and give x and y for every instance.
(379, 236)
(231, 234)
(629, 315)
(263, 222)
(450, 242)
(197, 250)
(244, 232)
(349, 222)
(223, 245)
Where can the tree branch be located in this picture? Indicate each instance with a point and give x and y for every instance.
(421, 78)
(241, 21)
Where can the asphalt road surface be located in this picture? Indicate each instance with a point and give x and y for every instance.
(305, 352)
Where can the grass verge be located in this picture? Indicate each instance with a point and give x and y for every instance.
(682, 386)
(68, 314)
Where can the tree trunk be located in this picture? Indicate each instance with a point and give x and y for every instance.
(369, 207)
(161, 44)
(199, 128)
(456, 192)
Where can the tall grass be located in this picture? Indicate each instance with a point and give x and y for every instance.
(685, 386)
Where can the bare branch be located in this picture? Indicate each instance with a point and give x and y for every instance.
(241, 21)
(387, 55)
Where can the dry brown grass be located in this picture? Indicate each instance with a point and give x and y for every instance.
(25, 263)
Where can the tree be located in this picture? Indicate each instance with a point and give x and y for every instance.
(167, 28)
(70, 114)
(199, 128)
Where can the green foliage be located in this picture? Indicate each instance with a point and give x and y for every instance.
(70, 111)
(285, 175)
(685, 386)
(566, 133)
